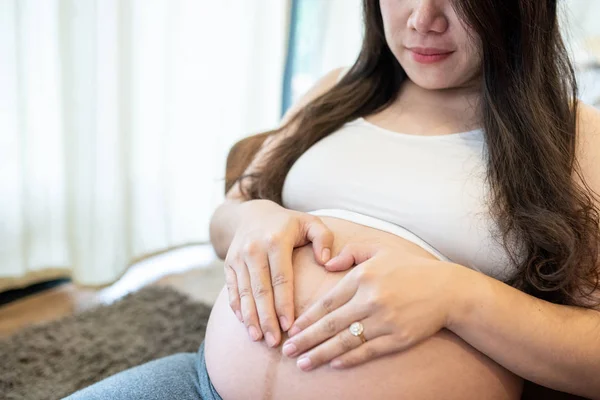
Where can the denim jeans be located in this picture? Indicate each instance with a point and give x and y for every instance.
(178, 376)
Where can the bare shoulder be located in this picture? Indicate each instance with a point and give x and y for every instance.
(588, 142)
(588, 121)
(588, 151)
(322, 86)
(588, 145)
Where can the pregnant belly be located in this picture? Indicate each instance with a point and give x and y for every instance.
(443, 366)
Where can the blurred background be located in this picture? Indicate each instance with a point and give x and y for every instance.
(116, 117)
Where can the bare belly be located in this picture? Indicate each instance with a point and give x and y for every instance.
(442, 367)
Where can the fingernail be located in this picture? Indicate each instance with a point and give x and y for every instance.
(253, 333)
(304, 363)
(239, 315)
(289, 349)
(284, 323)
(270, 339)
(326, 254)
(293, 331)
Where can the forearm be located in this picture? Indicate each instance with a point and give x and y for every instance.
(553, 345)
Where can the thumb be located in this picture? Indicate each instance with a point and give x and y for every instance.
(352, 254)
(321, 237)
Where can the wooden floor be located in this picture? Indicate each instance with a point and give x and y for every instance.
(195, 271)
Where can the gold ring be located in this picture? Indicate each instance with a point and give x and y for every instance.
(356, 329)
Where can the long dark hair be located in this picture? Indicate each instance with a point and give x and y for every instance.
(529, 111)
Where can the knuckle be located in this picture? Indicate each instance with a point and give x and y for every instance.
(245, 291)
(279, 279)
(232, 262)
(330, 327)
(373, 302)
(251, 248)
(403, 337)
(265, 268)
(366, 275)
(359, 274)
(260, 291)
(227, 268)
(237, 262)
(228, 263)
(327, 304)
(371, 352)
(274, 240)
(388, 319)
(229, 281)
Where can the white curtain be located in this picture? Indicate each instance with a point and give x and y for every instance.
(582, 31)
(581, 27)
(328, 35)
(115, 120)
(342, 33)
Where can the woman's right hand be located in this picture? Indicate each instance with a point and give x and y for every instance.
(258, 265)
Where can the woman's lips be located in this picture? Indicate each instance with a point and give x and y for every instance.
(429, 55)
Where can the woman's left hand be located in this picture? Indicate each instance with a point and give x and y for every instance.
(400, 300)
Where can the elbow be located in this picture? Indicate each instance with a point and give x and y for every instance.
(215, 239)
(220, 253)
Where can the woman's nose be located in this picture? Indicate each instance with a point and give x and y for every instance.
(427, 17)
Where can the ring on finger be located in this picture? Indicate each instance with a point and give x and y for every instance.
(357, 329)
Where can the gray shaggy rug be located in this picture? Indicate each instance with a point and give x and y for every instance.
(53, 360)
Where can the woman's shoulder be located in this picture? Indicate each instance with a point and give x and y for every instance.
(588, 144)
(588, 151)
(588, 119)
(588, 130)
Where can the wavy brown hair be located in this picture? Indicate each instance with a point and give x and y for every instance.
(529, 114)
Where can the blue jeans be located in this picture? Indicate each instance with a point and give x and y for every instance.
(179, 376)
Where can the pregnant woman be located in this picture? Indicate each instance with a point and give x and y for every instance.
(423, 225)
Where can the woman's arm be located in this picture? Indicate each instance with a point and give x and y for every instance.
(553, 345)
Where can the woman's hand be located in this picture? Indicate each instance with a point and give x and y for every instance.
(400, 300)
(258, 265)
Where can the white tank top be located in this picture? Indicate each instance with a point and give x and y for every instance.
(430, 190)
